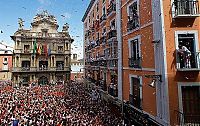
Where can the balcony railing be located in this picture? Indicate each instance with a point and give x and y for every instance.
(136, 63)
(112, 33)
(184, 120)
(59, 68)
(37, 69)
(27, 51)
(188, 62)
(103, 40)
(135, 101)
(111, 8)
(103, 19)
(97, 43)
(60, 51)
(112, 90)
(132, 23)
(186, 8)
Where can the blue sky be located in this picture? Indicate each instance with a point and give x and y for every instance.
(73, 10)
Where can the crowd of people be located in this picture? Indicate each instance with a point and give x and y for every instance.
(70, 104)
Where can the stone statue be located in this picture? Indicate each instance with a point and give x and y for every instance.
(21, 23)
(65, 27)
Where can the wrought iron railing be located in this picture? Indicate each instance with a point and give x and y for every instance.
(111, 8)
(103, 18)
(112, 33)
(113, 91)
(186, 119)
(136, 63)
(103, 40)
(132, 23)
(97, 43)
(187, 60)
(186, 7)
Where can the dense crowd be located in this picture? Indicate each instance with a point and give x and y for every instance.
(59, 105)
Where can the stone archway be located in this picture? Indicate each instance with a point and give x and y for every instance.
(43, 80)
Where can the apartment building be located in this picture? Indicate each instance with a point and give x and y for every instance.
(181, 46)
(158, 59)
(160, 38)
(100, 45)
(5, 61)
(42, 55)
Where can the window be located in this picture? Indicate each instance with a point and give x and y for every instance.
(60, 48)
(67, 46)
(187, 56)
(133, 18)
(134, 53)
(26, 48)
(104, 10)
(89, 19)
(104, 31)
(5, 59)
(135, 91)
(112, 25)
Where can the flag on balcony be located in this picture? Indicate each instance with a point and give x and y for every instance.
(34, 47)
(45, 50)
(39, 49)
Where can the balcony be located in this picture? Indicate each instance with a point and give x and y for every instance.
(38, 69)
(103, 19)
(185, 9)
(133, 23)
(135, 63)
(111, 34)
(135, 101)
(97, 43)
(111, 9)
(188, 62)
(60, 51)
(27, 51)
(112, 90)
(103, 40)
(187, 120)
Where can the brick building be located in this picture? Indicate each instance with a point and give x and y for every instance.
(5, 61)
(157, 45)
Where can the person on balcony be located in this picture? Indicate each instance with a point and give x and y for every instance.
(186, 54)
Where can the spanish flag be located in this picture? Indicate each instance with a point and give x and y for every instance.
(39, 51)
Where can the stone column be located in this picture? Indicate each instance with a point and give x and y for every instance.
(18, 80)
(20, 61)
(49, 62)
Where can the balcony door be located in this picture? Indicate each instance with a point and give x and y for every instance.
(187, 46)
(134, 53)
(190, 103)
(135, 96)
(25, 65)
(43, 65)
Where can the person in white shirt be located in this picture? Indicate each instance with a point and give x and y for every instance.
(183, 50)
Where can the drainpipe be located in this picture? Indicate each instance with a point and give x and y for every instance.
(119, 40)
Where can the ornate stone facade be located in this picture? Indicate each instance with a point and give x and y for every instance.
(41, 54)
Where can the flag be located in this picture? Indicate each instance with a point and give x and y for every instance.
(34, 47)
(45, 49)
(49, 51)
(39, 49)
